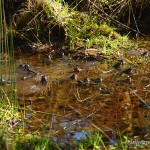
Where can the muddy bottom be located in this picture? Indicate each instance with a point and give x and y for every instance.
(68, 98)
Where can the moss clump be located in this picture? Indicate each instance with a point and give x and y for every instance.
(2, 143)
(35, 143)
(57, 22)
(88, 32)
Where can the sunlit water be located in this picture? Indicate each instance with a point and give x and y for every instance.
(68, 110)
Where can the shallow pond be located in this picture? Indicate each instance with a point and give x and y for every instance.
(99, 98)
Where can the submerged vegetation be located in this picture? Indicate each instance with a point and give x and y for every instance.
(68, 28)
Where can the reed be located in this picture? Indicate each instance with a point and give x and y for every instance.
(8, 96)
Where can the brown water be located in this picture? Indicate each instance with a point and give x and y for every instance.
(69, 110)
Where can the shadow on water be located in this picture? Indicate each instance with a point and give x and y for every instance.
(80, 96)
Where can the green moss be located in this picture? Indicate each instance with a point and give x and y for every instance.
(35, 143)
(87, 32)
(61, 22)
(2, 142)
(91, 33)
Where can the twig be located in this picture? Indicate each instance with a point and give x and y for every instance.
(36, 111)
(113, 20)
(142, 101)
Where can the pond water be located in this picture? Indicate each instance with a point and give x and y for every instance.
(100, 98)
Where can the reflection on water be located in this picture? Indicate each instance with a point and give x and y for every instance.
(68, 108)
